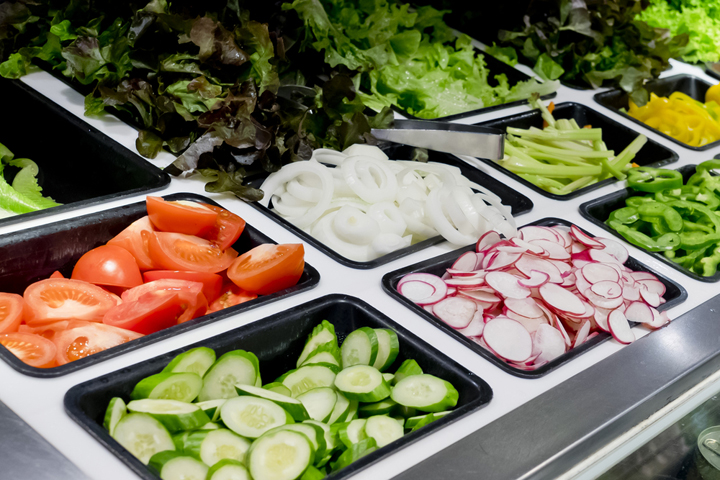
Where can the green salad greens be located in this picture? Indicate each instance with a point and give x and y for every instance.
(24, 195)
(699, 19)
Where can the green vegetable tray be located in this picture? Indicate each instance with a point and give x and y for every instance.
(277, 341)
(615, 135)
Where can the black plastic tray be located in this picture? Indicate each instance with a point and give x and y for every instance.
(34, 254)
(277, 341)
(713, 69)
(615, 135)
(79, 165)
(517, 202)
(687, 84)
(674, 295)
(598, 211)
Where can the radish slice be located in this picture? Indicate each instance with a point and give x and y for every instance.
(428, 308)
(651, 298)
(586, 240)
(620, 328)
(465, 282)
(509, 249)
(508, 339)
(537, 279)
(615, 248)
(480, 295)
(537, 233)
(527, 307)
(631, 293)
(564, 234)
(642, 276)
(476, 326)
(659, 319)
(506, 285)
(530, 324)
(639, 312)
(488, 239)
(602, 302)
(527, 246)
(416, 291)
(653, 286)
(601, 318)
(599, 272)
(503, 260)
(555, 250)
(561, 328)
(528, 263)
(582, 334)
(459, 274)
(451, 291)
(602, 256)
(437, 282)
(561, 300)
(549, 342)
(607, 289)
(466, 262)
(457, 312)
(589, 312)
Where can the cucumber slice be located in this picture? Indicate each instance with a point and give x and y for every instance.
(312, 473)
(330, 441)
(233, 368)
(388, 348)
(335, 368)
(280, 455)
(408, 368)
(197, 360)
(315, 434)
(352, 432)
(278, 387)
(359, 348)
(174, 415)
(308, 377)
(228, 470)
(362, 383)
(419, 421)
(405, 412)
(340, 410)
(258, 379)
(210, 426)
(319, 403)
(400, 420)
(389, 377)
(383, 407)
(174, 466)
(143, 436)
(116, 410)
(212, 446)
(325, 353)
(179, 440)
(252, 416)
(425, 392)
(383, 429)
(357, 451)
(212, 408)
(293, 406)
(321, 334)
(183, 387)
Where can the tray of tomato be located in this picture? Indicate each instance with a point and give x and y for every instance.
(80, 291)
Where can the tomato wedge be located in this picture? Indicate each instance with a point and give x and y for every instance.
(231, 295)
(57, 299)
(150, 313)
(108, 265)
(268, 268)
(212, 283)
(34, 350)
(84, 338)
(227, 229)
(192, 299)
(57, 274)
(131, 239)
(176, 251)
(190, 218)
(11, 312)
(51, 329)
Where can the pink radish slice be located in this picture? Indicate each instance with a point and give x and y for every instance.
(589, 312)
(607, 289)
(488, 259)
(528, 263)
(537, 233)
(620, 328)
(457, 312)
(602, 302)
(564, 234)
(530, 324)
(599, 272)
(527, 246)
(488, 239)
(584, 256)
(555, 250)
(569, 281)
(480, 341)
(631, 293)
(480, 295)
(451, 291)
(476, 326)
(561, 328)
(549, 342)
(458, 273)
(651, 298)
(508, 249)
(465, 282)
(654, 286)
(659, 319)
(639, 312)
(586, 240)
(576, 248)
(537, 279)
(561, 300)
(421, 293)
(433, 280)
(465, 262)
(614, 248)
(503, 260)
(480, 258)
(580, 263)
(591, 336)
(428, 308)
(445, 276)
(582, 334)
(563, 267)
(527, 307)
(508, 339)
(506, 285)
(642, 276)
(601, 318)
(602, 256)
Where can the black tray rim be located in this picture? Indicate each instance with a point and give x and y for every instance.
(72, 396)
(674, 157)
(390, 280)
(313, 278)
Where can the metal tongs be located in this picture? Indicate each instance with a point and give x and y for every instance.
(446, 137)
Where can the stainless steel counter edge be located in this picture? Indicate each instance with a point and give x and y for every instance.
(552, 433)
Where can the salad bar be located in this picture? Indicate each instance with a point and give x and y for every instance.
(359, 239)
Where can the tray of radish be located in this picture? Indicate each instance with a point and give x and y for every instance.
(535, 301)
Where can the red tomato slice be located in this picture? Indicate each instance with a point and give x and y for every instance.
(51, 329)
(231, 295)
(84, 338)
(195, 310)
(227, 229)
(175, 251)
(34, 350)
(191, 295)
(268, 268)
(131, 240)
(108, 265)
(11, 312)
(212, 283)
(56, 299)
(150, 313)
(190, 218)
(56, 274)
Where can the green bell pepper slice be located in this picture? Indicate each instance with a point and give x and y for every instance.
(649, 212)
(689, 193)
(626, 215)
(669, 241)
(638, 200)
(646, 179)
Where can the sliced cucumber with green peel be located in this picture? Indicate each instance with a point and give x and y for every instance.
(280, 455)
(389, 377)
(174, 415)
(174, 466)
(143, 436)
(405, 412)
(400, 420)
(179, 440)
(339, 413)
(321, 334)
(312, 473)
(212, 446)
(212, 408)
(359, 348)
(355, 452)
(197, 360)
(210, 426)
(335, 368)
(425, 392)
(352, 432)
(315, 434)
(406, 369)
(258, 379)
(116, 410)
(228, 470)
(233, 368)
(294, 407)
(352, 413)
(319, 403)
(308, 377)
(383, 429)
(330, 437)
(419, 421)
(183, 387)
(383, 407)
(388, 348)
(362, 383)
(252, 416)
(325, 353)
(278, 387)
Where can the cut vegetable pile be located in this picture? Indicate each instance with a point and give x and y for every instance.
(562, 157)
(364, 205)
(531, 298)
(24, 195)
(165, 269)
(206, 418)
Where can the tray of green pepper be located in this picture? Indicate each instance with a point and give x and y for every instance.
(673, 214)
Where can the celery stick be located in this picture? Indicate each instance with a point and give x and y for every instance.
(559, 151)
(582, 134)
(627, 155)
